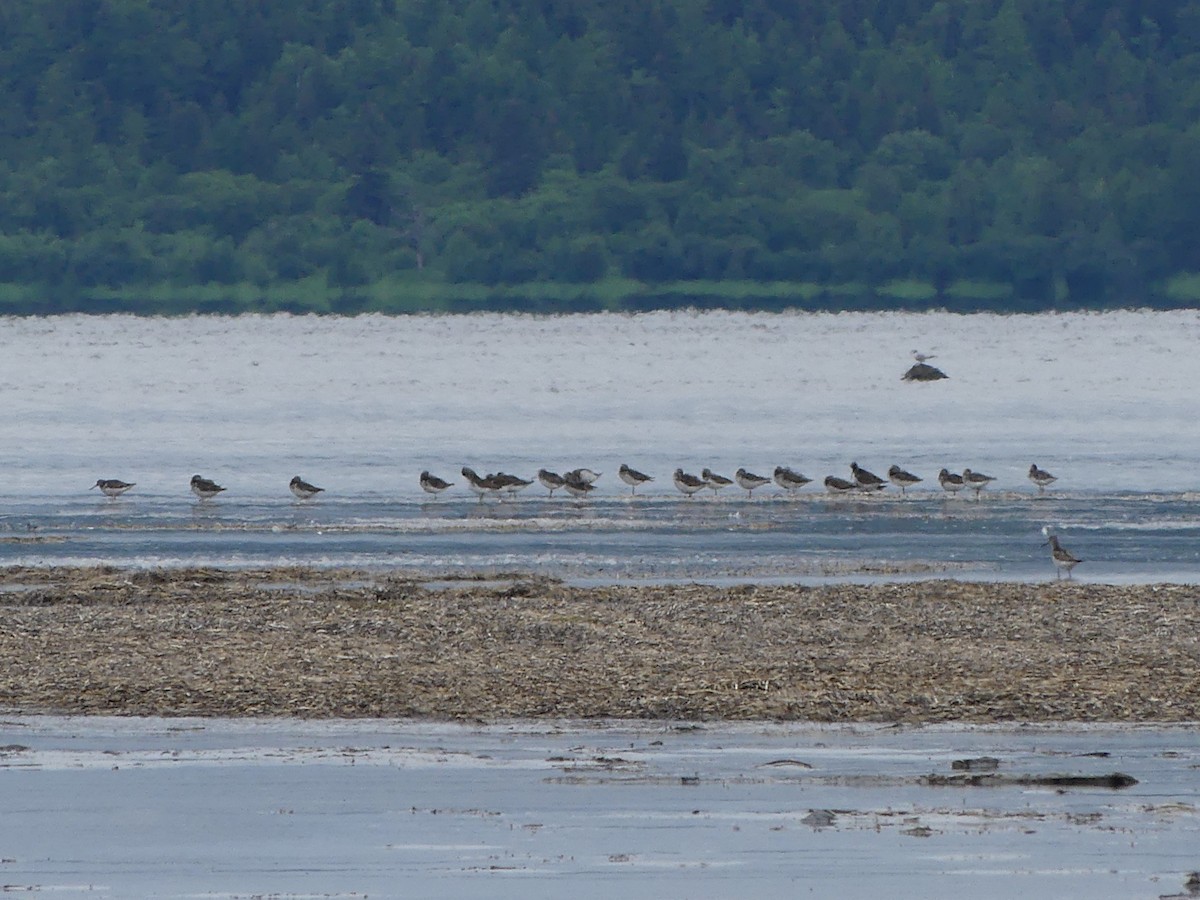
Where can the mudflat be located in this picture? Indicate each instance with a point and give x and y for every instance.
(320, 643)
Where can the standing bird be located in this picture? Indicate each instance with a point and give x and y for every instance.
(577, 486)
(836, 485)
(687, 483)
(949, 481)
(715, 481)
(632, 477)
(481, 486)
(789, 479)
(511, 484)
(748, 481)
(204, 488)
(902, 479)
(431, 484)
(922, 357)
(552, 481)
(1041, 478)
(585, 475)
(302, 489)
(868, 481)
(976, 481)
(1063, 559)
(112, 487)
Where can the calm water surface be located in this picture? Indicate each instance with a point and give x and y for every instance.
(361, 406)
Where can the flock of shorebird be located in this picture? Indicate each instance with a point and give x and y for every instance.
(204, 488)
(581, 482)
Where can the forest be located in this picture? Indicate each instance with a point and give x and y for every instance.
(168, 156)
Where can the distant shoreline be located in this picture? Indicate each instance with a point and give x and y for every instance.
(332, 644)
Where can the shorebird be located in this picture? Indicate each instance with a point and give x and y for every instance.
(511, 484)
(1064, 560)
(976, 481)
(922, 357)
(949, 481)
(431, 484)
(836, 485)
(302, 489)
(748, 481)
(902, 479)
(868, 481)
(585, 475)
(687, 483)
(552, 481)
(204, 488)
(112, 487)
(1041, 477)
(632, 477)
(715, 481)
(576, 486)
(789, 479)
(481, 486)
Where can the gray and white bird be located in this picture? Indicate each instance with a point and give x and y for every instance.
(1063, 559)
(687, 483)
(112, 487)
(511, 484)
(481, 485)
(431, 484)
(632, 477)
(585, 475)
(205, 488)
(715, 481)
(867, 481)
(302, 489)
(551, 481)
(976, 481)
(950, 482)
(902, 478)
(577, 486)
(836, 485)
(748, 481)
(789, 479)
(1041, 478)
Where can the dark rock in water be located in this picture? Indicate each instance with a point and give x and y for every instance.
(924, 372)
(976, 764)
(1114, 780)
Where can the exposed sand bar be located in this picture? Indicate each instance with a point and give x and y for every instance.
(321, 643)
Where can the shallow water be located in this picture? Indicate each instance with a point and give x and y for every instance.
(360, 406)
(283, 808)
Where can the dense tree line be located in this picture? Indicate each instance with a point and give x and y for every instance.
(401, 154)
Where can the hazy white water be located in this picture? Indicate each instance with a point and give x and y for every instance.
(362, 405)
(1107, 400)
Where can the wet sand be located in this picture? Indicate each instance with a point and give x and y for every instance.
(225, 808)
(323, 644)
